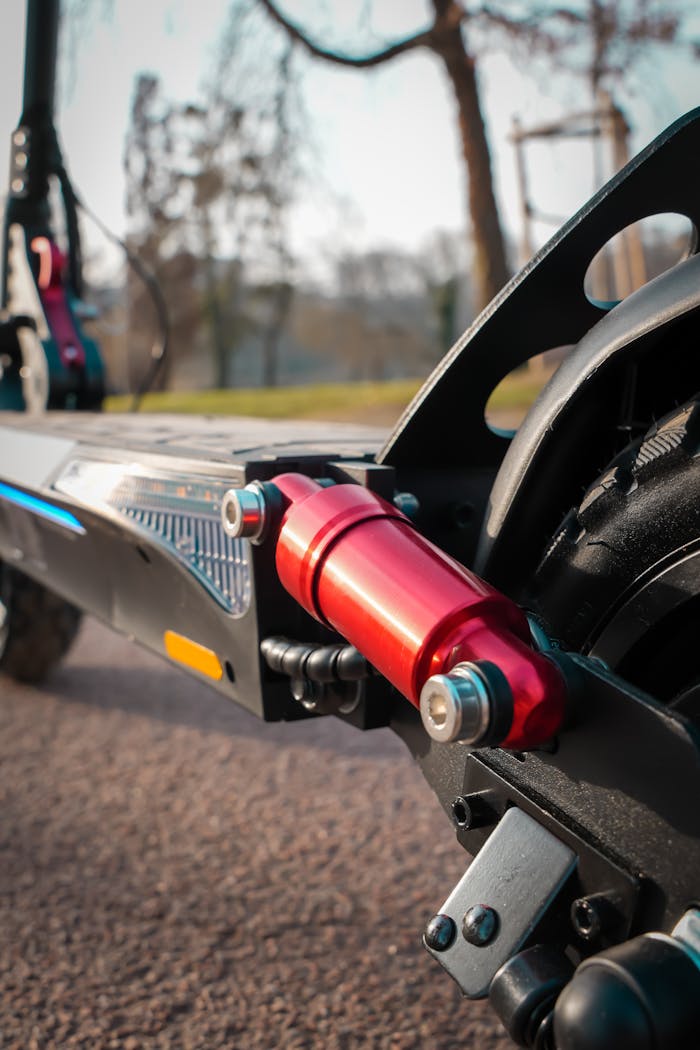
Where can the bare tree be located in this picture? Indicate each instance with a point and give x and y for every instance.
(447, 39)
(617, 32)
(384, 313)
(154, 213)
(214, 181)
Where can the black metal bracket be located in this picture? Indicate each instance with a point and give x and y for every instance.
(623, 779)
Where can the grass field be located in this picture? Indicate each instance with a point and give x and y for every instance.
(364, 402)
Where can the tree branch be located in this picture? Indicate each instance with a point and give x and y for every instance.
(298, 36)
(529, 30)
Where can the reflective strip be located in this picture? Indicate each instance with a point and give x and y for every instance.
(42, 508)
(193, 655)
(183, 514)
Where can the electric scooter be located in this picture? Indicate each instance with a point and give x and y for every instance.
(521, 609)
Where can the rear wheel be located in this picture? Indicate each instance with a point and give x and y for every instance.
(38, 628)
(621, 578)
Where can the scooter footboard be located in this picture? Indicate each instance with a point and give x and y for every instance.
(121, 515)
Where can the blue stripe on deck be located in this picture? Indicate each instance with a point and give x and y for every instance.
(42, 508)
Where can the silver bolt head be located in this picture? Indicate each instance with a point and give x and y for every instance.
(456, 706)
(244, 513)
(440, 933)
(480, 925)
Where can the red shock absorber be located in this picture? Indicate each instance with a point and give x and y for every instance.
(448, 641)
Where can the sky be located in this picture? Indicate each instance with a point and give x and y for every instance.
(387, 169)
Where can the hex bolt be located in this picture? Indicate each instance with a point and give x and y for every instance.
(592, 916)
(476, 810)
(244, 513)
(462, 813)
(456, 706)
(480, 925)
(440, 933)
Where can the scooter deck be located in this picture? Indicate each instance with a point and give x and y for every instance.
(120, 514)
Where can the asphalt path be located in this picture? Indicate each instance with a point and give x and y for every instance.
(174, 873)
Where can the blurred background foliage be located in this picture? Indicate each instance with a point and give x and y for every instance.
(211, 183)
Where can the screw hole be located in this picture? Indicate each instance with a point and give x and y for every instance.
(582, 919)
(142, 554)
(635, 254)
(586, 919)
(461, 813)
(230, 673)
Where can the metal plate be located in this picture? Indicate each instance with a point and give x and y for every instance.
(518, 873)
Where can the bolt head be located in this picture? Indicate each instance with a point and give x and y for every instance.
(587, 919)
(244, 513)
(456, 706)
(462, 814)
(480, 925)
(440, 933)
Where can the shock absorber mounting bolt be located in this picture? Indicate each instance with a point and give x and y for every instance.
(457, 705)
(244, 512)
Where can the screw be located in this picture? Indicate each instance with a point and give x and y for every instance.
(456, 706)
(244, 512)
(440, 933)
(592, 916)
(462, 813)
(480, 925)
(474, 811)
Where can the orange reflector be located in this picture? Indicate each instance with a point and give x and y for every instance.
(193, 655)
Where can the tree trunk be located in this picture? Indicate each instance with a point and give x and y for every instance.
(215, 318)
(491, 270)
(446, 40)
(281, 302)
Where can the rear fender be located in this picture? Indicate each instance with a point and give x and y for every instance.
(633, 366)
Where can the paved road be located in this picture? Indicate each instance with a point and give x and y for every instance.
(173, 873)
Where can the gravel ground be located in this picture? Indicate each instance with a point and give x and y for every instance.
(176, 874)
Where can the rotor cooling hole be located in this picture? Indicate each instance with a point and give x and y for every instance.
(636, 254)
(511, 399)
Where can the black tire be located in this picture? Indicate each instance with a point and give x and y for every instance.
(38, 630)
(641, 517)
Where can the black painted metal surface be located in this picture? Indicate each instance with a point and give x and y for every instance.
(625, 778)
(121, 573)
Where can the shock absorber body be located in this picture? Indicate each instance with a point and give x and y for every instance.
(429, 625)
